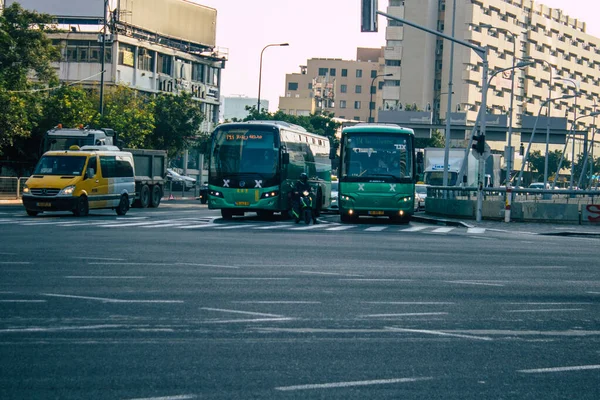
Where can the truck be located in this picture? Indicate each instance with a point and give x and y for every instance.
(150, 165)
(434, 168)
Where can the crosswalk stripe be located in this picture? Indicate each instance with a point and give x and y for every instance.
(199, 226)
(307, 227)
(413, 229)
(233, 226)
(164, 225)
(442, 230)
(476, 230)
(273, 226)
(376, 228)
(137, 223)
(341, 228)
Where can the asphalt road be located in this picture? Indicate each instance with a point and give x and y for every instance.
(175, 303)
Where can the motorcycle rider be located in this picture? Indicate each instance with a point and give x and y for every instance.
(301, 186)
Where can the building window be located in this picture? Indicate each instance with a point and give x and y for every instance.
(86, 51)
(374, 89)
(343, 88)
(395, 23)
(145, 59)
(126, 55)
(393, 63)
(357, 105)
(358, 89)
(310, 86)
(331, 71)
(344, 72)
(356, 118)
(165, 64)
(323, 71)
(342, 103)
(292, 85)
(373, 73)
(371, 105)
(359, 73)
(198, 72)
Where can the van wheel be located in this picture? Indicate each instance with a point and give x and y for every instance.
(144, 196)
(82, 208)
(123, 206)
(156, 196)
(32, 213)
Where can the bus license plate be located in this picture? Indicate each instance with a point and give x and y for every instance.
(44, 205)
(242, 203)
(375, 212)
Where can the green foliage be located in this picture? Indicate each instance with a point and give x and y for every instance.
(129, 113)
(437, 139)
(177, 123)
(536, 161)
(70, 106)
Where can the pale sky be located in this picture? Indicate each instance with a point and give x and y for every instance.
(314, 29)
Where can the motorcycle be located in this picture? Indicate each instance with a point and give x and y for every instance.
(305, 208)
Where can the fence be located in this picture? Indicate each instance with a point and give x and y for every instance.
(532, 205)
(11, 188)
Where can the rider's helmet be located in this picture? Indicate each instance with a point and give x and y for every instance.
(303, 178)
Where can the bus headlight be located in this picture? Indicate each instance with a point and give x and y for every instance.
(346, 198)
(406, 199)
(68, 191)
(216, 194)
(268, 195)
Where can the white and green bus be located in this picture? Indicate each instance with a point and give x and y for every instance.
(377, 172)
(254, 166)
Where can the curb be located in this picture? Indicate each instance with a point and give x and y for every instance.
(571, 233)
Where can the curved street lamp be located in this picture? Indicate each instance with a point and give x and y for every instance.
(575, 85)
(371, 90)
(260, 70)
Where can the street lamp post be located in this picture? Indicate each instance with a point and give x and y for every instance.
(371, 90)
(260, 70)
(585, 147)
(103, 55)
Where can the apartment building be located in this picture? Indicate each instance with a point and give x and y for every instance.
(420, 62)
(347, 88)
(235, 106)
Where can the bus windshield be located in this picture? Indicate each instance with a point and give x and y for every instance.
(246, 151)
(382, 157)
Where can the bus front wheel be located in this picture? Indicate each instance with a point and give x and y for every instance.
(226, 214)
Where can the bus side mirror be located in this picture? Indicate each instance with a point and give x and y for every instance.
(285, 158)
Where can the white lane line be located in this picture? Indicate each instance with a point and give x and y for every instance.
(208, 265)
(104, 277)
(242, 312)
(22, 301)
(376, 280)
(8, 254)
(208, 225)
(545, 310)
(105, 300)
(341, 228)
(137, 223)
(232, 226)
(442, 230)
(593, 292)
(350, 384)
(176, 397)
(250, 279)
(240, 321)
(129, 263)
(99, 258)
(273, 226)
(307, 227)
(403, 315)
(376, 228)
(548, 304)
(413, 229)
(130, 218)
(15, 262)
(476, 231)
(327, 273)
(47, 223)
(411, 303)
(439, 333)
(559, 369)
(165, 225)
(61, 328)
(475, 283)
(276, 302)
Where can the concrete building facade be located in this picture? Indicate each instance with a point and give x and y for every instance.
(235, 106)
(332, 85)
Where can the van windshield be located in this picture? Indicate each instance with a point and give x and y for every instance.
(60, 165)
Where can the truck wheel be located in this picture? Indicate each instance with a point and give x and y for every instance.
(226, 214)
(123, 206)
(32, 213)
(82, 208)
(145, 196)
(156, 196)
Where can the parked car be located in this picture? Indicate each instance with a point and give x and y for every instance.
(176, 181)
(538, 185)
(334, 207)
(203, 197)
(420, 196)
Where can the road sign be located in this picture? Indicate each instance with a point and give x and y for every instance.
(483, 156)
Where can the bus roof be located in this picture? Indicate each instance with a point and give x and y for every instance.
(378, 128)
(278, 124)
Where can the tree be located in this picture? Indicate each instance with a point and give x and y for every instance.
(130, 114)
(24, 51)
(437, 139)
(537, 162)
(177, 123)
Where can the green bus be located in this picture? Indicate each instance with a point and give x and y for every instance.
(377, 172)
(254, 165)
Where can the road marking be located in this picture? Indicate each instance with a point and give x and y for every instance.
(137, 223)
(351, 384)
(341, 228)
(593, 292)
(242, 312)
(307, 227)
(413, 229)
(23, 301)
(376, 228)
(475, 283)
(442, 230)
(273, 226)
(276, 302)
(545, 310)
(130, 218)
(99, 258)
(377, 280)
(105, 300)
(559, 369)
(232, 226)
(403, 315)
(476, 231)
(165, 225)
(208, 265)
(104, 277)
(199, 226)
(254, 320)
(176, 397)
(411, 303)
(327, 273)
(14, 262)
(439, 333)
(250, 279)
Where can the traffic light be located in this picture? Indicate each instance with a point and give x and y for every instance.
(521, 149)
(479, 144)
(368, 15)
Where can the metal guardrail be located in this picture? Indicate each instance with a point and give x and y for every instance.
(556, 196)
(11, 187)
